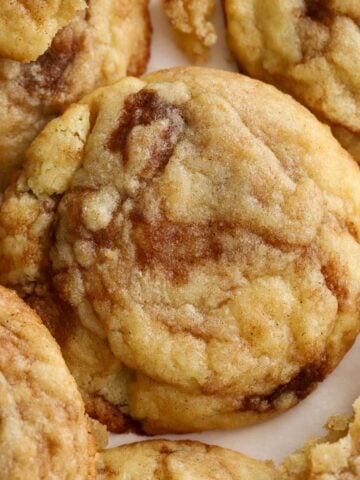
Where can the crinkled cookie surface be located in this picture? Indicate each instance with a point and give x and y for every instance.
(206, 227)
(309, 48)
(184, 460)
(103, 43)
(28, 27)
(44, 432)
(336, 457)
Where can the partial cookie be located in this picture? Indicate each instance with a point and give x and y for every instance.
(108, 40)
(335, 457)
(309, 48)
(167, 214)
(180, 461)
(27, 28)
(101, 378)
(190, 21)
(44, 431)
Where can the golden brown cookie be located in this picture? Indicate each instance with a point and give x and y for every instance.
(191, 26)
(335, 457)
(101, 378)
(212, 242)
(309, 48)
(44, 431)
(27, 28)
(108, 40)
(164, 460)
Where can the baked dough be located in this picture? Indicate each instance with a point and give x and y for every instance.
(206, 226)
(192, 28)
(335, 457)
(44, 431)
(309, 48)
(27, 28)
(184, 460)
(108, 40)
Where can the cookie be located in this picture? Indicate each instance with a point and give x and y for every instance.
(101, 378)
(206, 226)
(108, 40)
(44, 431)
(27, 28)
(155, 460)
(193, 31)
(309, 48)
(335, 457)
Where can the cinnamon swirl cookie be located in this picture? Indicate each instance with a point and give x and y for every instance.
(206, 226)
(44, 431)
(108, 40)
(309, 48)
(27, 28)
(180, 461)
